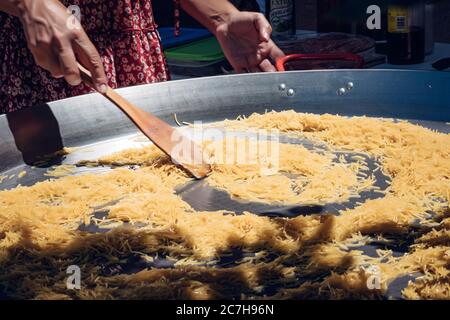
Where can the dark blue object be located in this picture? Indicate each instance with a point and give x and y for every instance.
(187, 35)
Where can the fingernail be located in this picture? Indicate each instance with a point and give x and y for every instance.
(103, 88)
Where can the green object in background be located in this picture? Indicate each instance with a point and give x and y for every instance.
(204, 50)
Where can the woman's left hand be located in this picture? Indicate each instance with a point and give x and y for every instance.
(245, 40)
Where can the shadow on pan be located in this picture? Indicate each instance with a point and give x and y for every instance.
(36, 134)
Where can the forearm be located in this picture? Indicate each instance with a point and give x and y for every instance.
(12, 7)
(210, 13)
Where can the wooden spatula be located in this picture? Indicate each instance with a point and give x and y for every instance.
(164, 136)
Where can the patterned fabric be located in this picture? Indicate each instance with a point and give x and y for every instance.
(124, 33)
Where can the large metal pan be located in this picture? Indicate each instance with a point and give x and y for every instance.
(423, 97)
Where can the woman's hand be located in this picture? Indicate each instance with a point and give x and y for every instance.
(57, 40)
(245, 40)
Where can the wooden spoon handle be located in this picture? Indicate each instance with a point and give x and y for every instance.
(86, 76)
(159, 132)
(137, 115)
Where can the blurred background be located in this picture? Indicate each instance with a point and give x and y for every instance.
(414, 34)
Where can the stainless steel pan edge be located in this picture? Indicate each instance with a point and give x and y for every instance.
(402, 94)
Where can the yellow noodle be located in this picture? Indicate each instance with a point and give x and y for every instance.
(39, 225)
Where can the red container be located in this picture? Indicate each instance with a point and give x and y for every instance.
(319, 61)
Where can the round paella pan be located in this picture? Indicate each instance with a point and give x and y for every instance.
(325, 185)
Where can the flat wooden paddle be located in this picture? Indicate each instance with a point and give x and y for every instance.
(159, 132)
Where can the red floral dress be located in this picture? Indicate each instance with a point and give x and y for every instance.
(123, 31)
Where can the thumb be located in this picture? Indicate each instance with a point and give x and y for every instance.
(89, 57)
(263, 27)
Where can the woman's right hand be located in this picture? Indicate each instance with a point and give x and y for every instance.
(57, 41)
